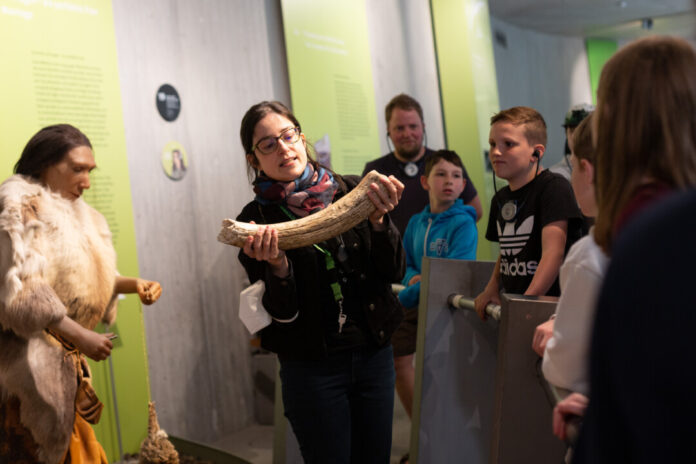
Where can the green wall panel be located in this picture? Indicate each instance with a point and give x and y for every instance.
(62, 57)
(598, 52)
(331, 80)
(468, 91)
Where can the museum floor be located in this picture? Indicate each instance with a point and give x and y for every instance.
(255, 443)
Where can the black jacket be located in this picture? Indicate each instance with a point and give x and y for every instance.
(374, 261)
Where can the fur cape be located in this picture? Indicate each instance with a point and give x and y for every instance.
(56, 259)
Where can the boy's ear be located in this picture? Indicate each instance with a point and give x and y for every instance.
(424, 183)
(539, 149)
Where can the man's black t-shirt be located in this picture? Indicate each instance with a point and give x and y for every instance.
(414, 198)
(546, 199)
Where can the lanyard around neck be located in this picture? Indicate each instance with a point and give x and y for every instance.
(329, 262)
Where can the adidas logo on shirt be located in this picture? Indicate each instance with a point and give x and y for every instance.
(512, 241)
(517, 268)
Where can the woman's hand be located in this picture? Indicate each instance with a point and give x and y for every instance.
(574, 404)
(385, 199)
(263, 246)
(149, 291)
(414, 280)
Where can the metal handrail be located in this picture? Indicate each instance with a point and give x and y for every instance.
(462, 302)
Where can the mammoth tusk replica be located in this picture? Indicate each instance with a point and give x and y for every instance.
(337, 218)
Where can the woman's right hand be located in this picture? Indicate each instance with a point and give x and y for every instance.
(263, 246)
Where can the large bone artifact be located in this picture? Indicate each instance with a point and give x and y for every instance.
(330, 222)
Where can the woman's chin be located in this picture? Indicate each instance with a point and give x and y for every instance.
(288, 174)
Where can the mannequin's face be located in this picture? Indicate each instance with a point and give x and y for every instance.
(70, 176)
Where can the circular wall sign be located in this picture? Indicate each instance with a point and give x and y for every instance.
(168, 102)
(174, 160)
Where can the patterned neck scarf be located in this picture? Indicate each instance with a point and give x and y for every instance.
(312, 191)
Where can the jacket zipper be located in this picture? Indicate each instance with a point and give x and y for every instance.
(425, 241)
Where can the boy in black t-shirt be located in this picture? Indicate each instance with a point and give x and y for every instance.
(535, 218)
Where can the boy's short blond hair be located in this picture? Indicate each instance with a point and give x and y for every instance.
(533, 121)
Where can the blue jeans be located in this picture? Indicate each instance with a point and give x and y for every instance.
(341, 408)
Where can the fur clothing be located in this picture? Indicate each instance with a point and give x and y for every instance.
(56, 259)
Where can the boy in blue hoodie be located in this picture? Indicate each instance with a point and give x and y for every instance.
(446, 228)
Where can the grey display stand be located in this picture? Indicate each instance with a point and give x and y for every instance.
(478, 397)
(522, 417)
(455, 368)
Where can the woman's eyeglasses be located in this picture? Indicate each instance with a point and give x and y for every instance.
(268, 145)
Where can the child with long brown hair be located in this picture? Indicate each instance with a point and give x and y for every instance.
(644, 131)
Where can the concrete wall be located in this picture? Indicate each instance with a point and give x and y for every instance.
(403, 60)
(547, 72)
(221, 57)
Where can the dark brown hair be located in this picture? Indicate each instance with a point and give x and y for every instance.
(533, 121)
(447, 155)
(48, 147)
(582, 140)
(403, 102)
(646, 125)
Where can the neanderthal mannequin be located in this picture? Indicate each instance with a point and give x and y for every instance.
(58, 280)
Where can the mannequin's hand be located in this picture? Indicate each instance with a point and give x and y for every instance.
(149, 291)
(94, 345)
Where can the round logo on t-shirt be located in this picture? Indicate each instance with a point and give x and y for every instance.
(411, 169)
(509, 211)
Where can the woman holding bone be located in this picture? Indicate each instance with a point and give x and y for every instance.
(59, 280)
(331, 304)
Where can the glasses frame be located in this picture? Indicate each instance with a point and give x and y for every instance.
(298, 133)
